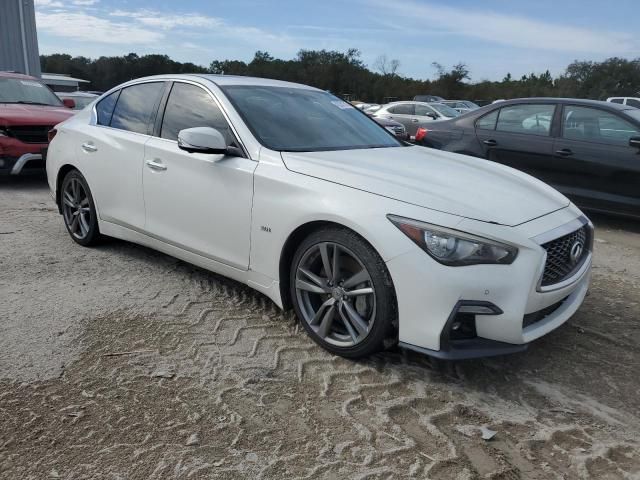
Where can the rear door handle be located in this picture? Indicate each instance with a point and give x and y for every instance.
(89, 147)
(565, 152)
(490, 143)
(156, 165)
(414, 120)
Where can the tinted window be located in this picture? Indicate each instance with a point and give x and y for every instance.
(632, 102)
(528, 119)
(190, 106)
(445, 110)
(617, 100)
(595, 125)
(104, 108)
(423, 110)
(301, 119)
(488, 122)
(402, 109)
(135, 107)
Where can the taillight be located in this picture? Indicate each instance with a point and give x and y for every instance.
(51, 133)
(421, 133)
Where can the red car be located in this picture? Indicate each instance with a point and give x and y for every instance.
(28, 110)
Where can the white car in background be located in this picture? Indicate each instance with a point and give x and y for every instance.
(630, 101)
(294, 192)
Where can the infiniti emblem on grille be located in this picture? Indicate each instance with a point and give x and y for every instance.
(576, 252)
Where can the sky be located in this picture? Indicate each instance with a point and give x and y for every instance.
(492, 37)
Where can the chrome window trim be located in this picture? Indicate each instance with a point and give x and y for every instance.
(94, 114)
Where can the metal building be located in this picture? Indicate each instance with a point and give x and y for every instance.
(18, 38)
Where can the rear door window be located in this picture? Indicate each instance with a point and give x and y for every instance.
(190, 106)
(402, 109)
(488, 121)
(617, 100)
(531, 119)
(595, 125)
(136, 107)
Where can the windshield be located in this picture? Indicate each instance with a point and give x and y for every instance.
(302, 120)
(18, 90)
(445, 110)
(470, 104)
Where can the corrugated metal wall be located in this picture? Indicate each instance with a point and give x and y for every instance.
(18, 38)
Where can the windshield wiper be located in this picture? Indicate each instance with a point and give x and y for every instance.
(29, 102)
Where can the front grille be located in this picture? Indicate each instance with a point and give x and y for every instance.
(30, 133)
(561, 262)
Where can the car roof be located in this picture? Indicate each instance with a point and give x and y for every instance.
(573, 101)
(226, 80)
(410, 101)
(17, 75)
(76, 94)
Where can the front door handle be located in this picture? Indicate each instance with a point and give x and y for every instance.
(490, 143)
(414, 120)
(89, 147)
(565, 152)
(156, 165)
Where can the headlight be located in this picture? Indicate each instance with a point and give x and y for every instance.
(454, 248)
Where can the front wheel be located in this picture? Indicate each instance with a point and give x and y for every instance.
(343, 293)
(78, 209)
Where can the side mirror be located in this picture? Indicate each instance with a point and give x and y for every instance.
(432, 115)
(202, 140)
(634, 142)
(69, 103)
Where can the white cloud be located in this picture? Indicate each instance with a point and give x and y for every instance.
(509, 30)
(49, 3)
(84, 2)
(90, 28)
(168, 21)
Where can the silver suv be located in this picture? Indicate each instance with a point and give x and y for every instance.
(415, 114)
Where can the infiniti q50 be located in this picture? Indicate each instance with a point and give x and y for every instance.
(372, 241)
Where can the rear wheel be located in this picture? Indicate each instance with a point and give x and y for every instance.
(78, 209)
(342, 293)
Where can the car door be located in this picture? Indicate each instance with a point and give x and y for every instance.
(519, 136)
(602, 168)
(112, 150)
(195, 201)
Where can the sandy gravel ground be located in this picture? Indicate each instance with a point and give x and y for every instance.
(122, 363)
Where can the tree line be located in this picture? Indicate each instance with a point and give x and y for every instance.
(345, 74)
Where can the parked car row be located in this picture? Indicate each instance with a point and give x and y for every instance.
(586, 149)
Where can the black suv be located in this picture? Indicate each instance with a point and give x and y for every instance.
(588, 150)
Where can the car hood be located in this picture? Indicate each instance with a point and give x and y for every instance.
(19, 114)
(457, 184)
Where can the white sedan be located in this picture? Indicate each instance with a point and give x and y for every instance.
(294, 192)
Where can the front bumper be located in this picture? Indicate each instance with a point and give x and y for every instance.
(28, 161)
(430, 294)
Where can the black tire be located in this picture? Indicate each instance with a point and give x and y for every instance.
(353, 251)
(88, 233)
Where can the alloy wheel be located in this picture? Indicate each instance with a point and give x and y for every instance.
(335, 294)
(76, 208)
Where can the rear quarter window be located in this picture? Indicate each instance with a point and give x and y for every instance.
(104, 108)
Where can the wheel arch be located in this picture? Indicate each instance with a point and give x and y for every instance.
(295, 238)
(62, 172)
